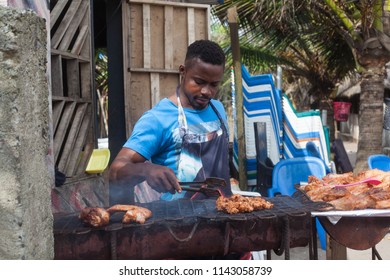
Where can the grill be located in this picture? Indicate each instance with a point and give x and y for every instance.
(185, 229)
(354, 232)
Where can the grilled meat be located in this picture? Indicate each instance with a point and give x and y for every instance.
(239, 204)
(95, 216)
(133, 213)
(382, 204)
(360, 196)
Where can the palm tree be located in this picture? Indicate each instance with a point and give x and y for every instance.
(365, 25)
(325, 40)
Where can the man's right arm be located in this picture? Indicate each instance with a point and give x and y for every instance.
(129, 168)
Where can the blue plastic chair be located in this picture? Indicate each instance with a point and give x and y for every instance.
(381, 162)
(289, 172)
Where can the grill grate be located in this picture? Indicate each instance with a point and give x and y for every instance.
(177, 229)
(188, 211)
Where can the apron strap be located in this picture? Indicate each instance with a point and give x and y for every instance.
(181, 118)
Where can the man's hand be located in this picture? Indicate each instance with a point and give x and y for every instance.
(161, 178)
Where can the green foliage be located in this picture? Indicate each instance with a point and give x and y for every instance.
(299, 35)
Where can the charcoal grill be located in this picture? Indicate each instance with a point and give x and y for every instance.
(185, 229)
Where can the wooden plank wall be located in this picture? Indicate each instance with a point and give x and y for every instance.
(156, 35)
(72, 91)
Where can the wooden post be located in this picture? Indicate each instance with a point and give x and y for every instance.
(334, 250)
(233, 26)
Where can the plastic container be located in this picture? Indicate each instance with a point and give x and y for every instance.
(379, 161)
(341, 111)
(98, 161)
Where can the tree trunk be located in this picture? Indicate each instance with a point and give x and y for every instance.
(370, 115)
(372, 94)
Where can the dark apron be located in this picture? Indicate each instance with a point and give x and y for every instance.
(202, 155)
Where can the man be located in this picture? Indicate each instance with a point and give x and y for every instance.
(183, 138)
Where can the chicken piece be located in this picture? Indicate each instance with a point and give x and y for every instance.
(239, 204)
(353, 202)
(372, 173)
(138, 215)
(318, 194)
(260, 203)
(345, 203)
(382, 204)
(95, 216)
(379, 194)
(338, 179)
(313, 179)
(358, 189)
(133, 213)
(313, 184)
(334, 193)
(364, 201)
(121, 208)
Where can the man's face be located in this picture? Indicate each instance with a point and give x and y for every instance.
(200, 83)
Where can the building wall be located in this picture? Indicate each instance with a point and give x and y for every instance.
(25, 180)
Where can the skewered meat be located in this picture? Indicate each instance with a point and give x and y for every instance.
(95, 216)
(362, 195)
(239, 204)
(133, 213)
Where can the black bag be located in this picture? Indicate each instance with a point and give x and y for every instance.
(59, 177)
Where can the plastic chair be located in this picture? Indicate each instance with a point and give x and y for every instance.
(312, 150)
(381, 162)
(289, 172)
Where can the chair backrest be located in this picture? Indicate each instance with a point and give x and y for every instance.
(379, 161)
(289, 172)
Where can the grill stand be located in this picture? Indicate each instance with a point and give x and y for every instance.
(375, 254)
(113, 244)
(285, 244)
(313, 249)
(227, 235)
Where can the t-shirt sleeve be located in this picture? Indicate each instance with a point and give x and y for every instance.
(146, 136)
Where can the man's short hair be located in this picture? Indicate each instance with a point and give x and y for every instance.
(206, 50)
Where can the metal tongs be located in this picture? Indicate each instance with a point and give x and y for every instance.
(209, 186)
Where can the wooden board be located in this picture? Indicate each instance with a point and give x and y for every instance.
(57, 111)
(65, 22)
(56, 76)
(72, 88)
(72, 135)
(73, 77)
(156, 35)
(74, 157)
(63, 125)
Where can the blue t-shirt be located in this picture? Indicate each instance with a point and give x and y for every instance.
(156, 134)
